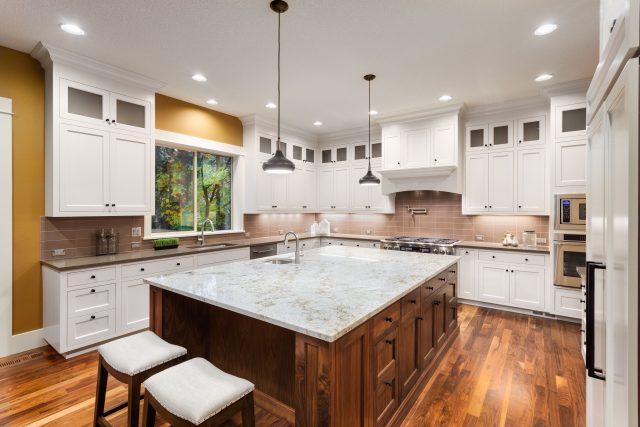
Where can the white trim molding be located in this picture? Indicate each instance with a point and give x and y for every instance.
(6, 227)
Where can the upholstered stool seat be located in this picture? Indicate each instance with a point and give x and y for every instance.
(197, 393)
(132, 360)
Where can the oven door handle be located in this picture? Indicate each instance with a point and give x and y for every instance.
(592, 371)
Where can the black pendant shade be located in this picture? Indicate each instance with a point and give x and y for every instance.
(369, 178)
(279, 164)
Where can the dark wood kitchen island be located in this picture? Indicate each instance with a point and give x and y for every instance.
(346, 338)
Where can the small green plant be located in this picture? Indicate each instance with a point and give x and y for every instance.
(168, 243)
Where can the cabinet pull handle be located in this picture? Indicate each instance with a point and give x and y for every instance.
(177, 263)
(113, 205)
(106, 204)
(420, 318)
(93, 317)
(92, 290)
(388, 384)
(93, 276)
(526, 259)
(142, 269)
(452, 271)
(389, 319)
(388, 342)
(583, 301)
(430, 288)
(412, 301)
(442, 279)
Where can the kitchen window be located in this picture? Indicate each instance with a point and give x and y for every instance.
(190, 186)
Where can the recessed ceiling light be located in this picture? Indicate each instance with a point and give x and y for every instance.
(373, 113)
(544, 77)
(545, 29)
(317, 123)
(199, 78)
(271, 105)
(212, 101)
(72, 29)
(445, 98)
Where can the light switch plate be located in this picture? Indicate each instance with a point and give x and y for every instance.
(247, 235)
(59, 252)
(136, 231)
(541, 241)
(136, 245)
(479, 237)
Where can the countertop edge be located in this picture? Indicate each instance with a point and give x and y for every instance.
(499, 247)
(298, 329)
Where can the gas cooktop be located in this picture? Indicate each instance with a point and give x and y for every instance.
(419, 244)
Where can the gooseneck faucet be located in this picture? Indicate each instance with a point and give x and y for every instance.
(286, 241)
(204, 223)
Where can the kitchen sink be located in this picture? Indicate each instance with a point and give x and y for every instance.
(213, 246)
(279, 261)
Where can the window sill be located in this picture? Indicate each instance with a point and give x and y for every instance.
(190, 234)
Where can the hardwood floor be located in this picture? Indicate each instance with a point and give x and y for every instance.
(504, 369)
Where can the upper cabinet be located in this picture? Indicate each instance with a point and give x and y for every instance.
(502, 135)
(570, 121)
(477, 138)
(421, 148)
(531, 132)
(569, 136)
(98, 137)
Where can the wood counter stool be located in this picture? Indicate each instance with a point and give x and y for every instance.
(196, 393)
(132, 360)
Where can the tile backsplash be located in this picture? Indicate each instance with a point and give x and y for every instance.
(77, 235)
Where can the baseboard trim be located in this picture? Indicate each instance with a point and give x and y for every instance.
(519, 310)
(274, 406)
(25, 342)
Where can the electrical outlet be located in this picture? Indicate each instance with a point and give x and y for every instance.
(541, 241)
(368, 232)
(136, 231)
(247, 235)
(281, 232)
(136, 245)
(479, 238)
(59, 252)
(335, 229)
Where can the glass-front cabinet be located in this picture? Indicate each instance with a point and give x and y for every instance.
(334, 155)
(477, 138)
(501, 135)
(531, 131)
(98, 107)
(361, 151)
(571, 121)
(302, 154)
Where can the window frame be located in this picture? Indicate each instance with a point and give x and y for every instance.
(195, 144)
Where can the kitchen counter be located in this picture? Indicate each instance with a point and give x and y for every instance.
(134, 256)
(332, 291)
(500, 247)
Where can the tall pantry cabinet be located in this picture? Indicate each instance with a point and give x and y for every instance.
(99, 137)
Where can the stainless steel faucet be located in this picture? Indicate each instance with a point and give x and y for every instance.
(286, 242)
(204, 223)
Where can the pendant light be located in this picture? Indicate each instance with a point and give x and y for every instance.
(279, 164)
(369, 178)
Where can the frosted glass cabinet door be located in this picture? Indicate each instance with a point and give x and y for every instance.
(83, 183)
(129, 170)
(531, 131)
(571, 121)
(477, 138)
(84, 103)
(130, 114)
(501, 135)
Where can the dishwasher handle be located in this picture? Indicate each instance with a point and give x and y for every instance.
(592, 370)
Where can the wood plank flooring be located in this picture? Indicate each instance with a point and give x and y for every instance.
(505, 369)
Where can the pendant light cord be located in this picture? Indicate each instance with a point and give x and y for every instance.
(278, 107)
(369, 114)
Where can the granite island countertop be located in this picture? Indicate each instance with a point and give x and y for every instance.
(333, 290)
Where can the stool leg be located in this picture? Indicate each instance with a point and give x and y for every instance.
(134, 402)
(248, 416)
(148, 413)
(101, 392)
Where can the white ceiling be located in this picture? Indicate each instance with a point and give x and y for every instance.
(477, 51)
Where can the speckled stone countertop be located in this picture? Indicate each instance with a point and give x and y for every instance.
(333, 290)
(135, 256)
(500, 247)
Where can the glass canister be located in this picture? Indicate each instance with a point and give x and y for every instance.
(529, 238)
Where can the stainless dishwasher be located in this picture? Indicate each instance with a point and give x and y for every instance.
(261, 251)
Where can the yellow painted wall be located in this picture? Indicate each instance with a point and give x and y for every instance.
(182, 117)
(22, 80)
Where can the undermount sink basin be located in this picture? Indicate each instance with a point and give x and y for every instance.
(279, 261)
(212, 246)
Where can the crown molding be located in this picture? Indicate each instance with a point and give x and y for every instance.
(257, 120)
(567, 88)
(48, 55)
(361, 133)
(421, 114)
(508, 106)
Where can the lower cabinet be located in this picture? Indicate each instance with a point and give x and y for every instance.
(386, 370)
(134, 305)
(409, 337)
(493, 282)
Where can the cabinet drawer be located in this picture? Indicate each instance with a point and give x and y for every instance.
(222, 257)
(452, 273)
(385, 380)
(386, 319)
(86, 277)
(568, 303)
(153, 267)
(410, 304)
(511, 257)
(90, 328)
(98, 298)
(430, 287)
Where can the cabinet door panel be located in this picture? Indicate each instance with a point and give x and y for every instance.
(477, 138)
(386, 371)
(392, 152)
(263, 188)
(532, 180)
(531, 131)
(427, 338)
(297, 190)
(310, 187)
(82, 167)
(493, 283)
(467, 273)
(477, 183)
(84, 103)
(408, 354)
(417, 148)
(341, 188)
(571, 160)
(279, 191)
(439, 318)
(129, 170)
(360, 194)
(444, 146)
(501, 135)
(130, 114)
(325, 188)
(527, 287)
(501, 182)
(135, 305)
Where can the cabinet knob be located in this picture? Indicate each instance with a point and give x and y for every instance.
(106, 204)
(466, 252)
(92, 290)
(388, 384)
(388, 342)
(519, 141)
(177, 263)
(485, 206)
(583, 301)
(512, 271)
(389, 319)
(93, 276)
(412, 301)
(430, 288)
(493, 256)
(442, 279)
(142, 269)
(113, 204)
(526, 259)
(93, 317)
(107, 120)
(452, 271)
(490, 207)
(420, 318)
(435, 160)
(398, 163)
(519, 206)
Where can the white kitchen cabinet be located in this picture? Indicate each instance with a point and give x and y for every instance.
(493, 283)
(568, 302)
(334, 155)
(361, 154)
(570, 163)
(130, 114)
(392, 148)
(477, 138)
(333, 188)
(501, 182)
(266, 146)
(501, 135)
(129, 173)
(531, 132)
(526, 287)
(417, 148)
(570, 121)
(301, 186)
(467, 273)
(532, 180)
(134, 305)
(444, 146)
(83, 162)
(365, 198)
(476, 192)
(271, 190)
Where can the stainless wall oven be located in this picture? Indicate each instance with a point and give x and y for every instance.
(571, 212)
(570, 253)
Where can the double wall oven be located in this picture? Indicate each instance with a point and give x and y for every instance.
(570, 239)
